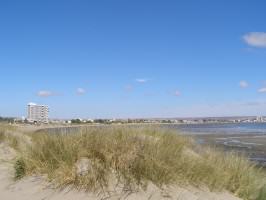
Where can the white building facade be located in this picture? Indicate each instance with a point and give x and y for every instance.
(38, 113)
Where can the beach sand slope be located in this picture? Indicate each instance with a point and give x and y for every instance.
(36, 188)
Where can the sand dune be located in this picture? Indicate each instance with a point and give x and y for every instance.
(36, 188)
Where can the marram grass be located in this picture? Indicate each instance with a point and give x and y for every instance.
(135, 157)
(7, 136)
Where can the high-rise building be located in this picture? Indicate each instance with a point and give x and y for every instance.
(38, 113)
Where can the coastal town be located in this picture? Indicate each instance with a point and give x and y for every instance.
(39, 114)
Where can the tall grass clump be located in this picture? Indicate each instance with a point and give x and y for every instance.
(7, 136)
(19, 169)
(3, 129)
(136, 157)
(2, 136)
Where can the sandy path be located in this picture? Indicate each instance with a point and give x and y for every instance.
(35, 188)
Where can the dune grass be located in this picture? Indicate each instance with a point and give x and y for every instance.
(6, 136)
(3, 129)
(136, 157)
(2, 136)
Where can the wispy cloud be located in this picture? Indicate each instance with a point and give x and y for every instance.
(262, 90)
(81, 91)
(255, 39)
(177, 93)
(45, 93)
(128, 88)
(254, 103)
(243, 84)
(142, 80)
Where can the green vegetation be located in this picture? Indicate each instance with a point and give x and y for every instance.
(2, 135)
(19, 169)
(6, 119)
(135, 157)
(76, 121)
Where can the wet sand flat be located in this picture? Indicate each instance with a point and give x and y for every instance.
(251, 145)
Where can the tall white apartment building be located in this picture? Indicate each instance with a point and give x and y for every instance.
(38, 113)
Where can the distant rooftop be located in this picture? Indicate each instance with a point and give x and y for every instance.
(35, 104)
(32, 104)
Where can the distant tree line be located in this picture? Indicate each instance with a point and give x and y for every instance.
(6, 119)
(97, 121)
(78, 121)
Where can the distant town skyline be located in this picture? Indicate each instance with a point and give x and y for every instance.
(133, 59)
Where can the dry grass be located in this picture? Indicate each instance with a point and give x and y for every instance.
(131, 155)
(135, 157)
(5, 135)
(2, 135)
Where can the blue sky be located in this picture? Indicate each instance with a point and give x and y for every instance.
(141, 58)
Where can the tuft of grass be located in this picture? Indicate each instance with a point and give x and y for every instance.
(2, 136)
(137, 156)
(20, 169)
(262, 194)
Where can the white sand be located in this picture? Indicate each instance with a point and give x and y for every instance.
(35, 188)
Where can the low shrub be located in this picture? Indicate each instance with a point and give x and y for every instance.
(20, 169)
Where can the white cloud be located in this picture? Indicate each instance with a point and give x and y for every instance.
(243, 84)
(262, 90)
(255, 39)
(81, 91)
(142, 80)
(45, 93)
(177, 93)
